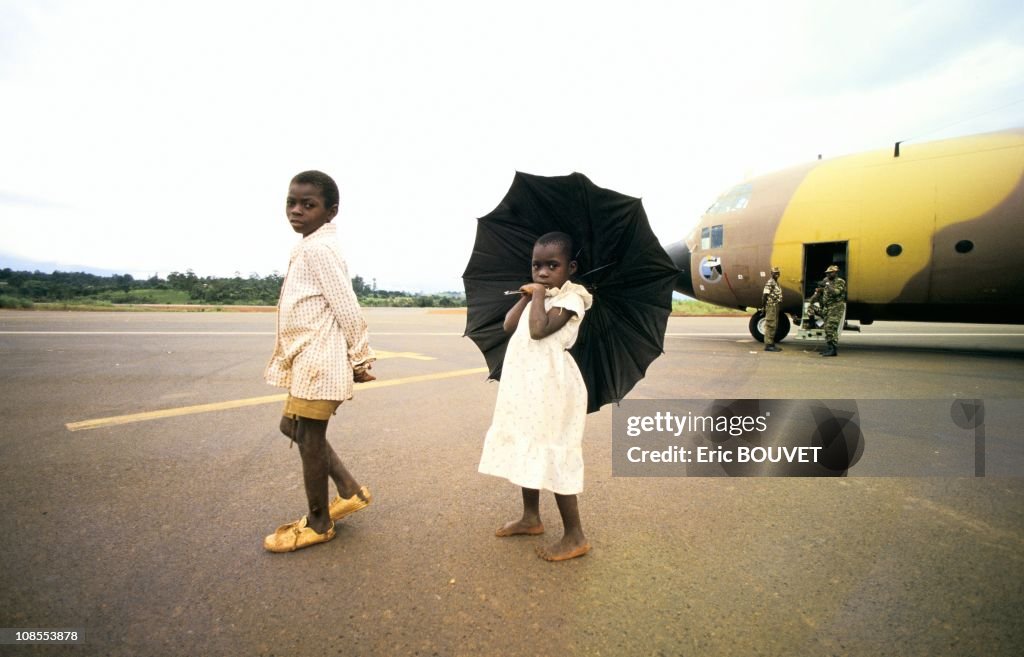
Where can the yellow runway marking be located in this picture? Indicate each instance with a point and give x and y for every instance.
(381, 355)
(253, 401)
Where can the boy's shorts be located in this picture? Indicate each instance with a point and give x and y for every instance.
(313, 409)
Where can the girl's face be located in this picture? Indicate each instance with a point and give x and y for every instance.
(551, 266)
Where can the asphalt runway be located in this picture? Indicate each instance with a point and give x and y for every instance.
(141, 467)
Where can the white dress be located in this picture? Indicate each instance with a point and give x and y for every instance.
(536, 436)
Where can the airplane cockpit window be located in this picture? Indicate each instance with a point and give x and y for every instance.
(712, 237)
(735, 199)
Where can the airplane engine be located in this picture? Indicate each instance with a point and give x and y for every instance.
(680, 254)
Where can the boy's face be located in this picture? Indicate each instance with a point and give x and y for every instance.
(306, 209)
(551, 267)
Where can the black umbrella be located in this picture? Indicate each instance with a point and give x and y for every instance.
(619, 261)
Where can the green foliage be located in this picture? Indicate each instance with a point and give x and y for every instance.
(145, 295)
(694, 307)
(7, 301)
(78, 288)
(360, 287)
(405, 300)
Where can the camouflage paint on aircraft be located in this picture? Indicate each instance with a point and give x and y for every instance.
(936, 233)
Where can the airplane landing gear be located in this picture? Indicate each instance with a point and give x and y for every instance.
(756, 326)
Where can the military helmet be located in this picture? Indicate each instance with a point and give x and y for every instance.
(832, 268)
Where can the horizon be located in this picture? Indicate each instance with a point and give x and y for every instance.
(49, 269)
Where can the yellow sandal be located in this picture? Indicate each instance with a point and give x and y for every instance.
(341, 507)
(295, 536)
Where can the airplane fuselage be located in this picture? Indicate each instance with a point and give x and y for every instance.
(933, 234)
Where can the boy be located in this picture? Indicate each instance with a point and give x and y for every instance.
(322, 346)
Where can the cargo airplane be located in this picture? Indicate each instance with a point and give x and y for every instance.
(921, 232)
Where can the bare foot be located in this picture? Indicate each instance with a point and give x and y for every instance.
(564, 549)
(520, 527)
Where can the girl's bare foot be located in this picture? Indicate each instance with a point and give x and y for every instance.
(567, 548)
(520, 527)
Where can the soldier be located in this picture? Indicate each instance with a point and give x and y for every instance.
(833, 308)
(770, 301)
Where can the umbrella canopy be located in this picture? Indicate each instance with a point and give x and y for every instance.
(620, 262)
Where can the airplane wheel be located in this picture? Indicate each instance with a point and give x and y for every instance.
(782, 330)
(756, 327)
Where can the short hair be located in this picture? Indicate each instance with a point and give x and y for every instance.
(563, 240)
(328, 188)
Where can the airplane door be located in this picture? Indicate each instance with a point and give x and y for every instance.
(818, 257)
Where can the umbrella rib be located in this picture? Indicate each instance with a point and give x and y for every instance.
(596, 269)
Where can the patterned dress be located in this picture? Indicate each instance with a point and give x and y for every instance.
(536, 436)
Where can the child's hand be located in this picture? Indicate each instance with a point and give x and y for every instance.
(530, 289)
(363, 375)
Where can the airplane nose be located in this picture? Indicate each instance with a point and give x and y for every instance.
(680, 255)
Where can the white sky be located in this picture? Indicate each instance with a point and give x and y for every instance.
(150, 137)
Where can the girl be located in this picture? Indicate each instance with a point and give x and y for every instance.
(536, 437)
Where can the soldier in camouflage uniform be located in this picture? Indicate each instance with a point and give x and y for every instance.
(770, 302)
(832, 296)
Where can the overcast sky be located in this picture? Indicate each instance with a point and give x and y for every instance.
(150, 137)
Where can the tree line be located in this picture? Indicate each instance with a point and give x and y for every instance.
(22, 289)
